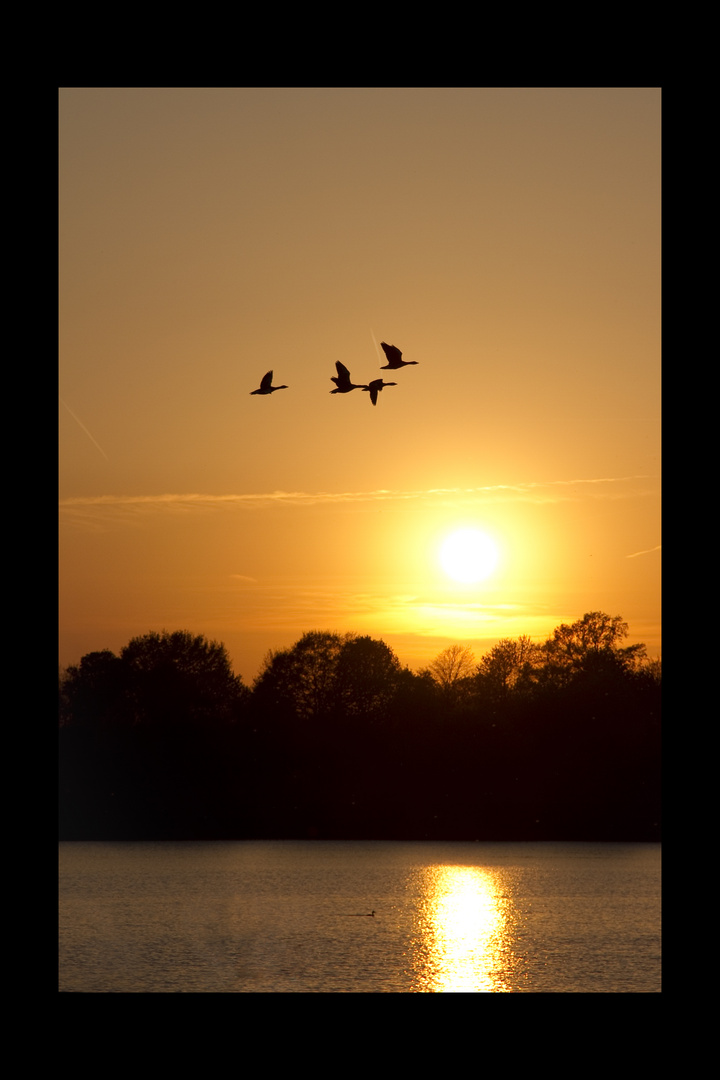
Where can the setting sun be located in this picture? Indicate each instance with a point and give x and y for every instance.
(468, 555)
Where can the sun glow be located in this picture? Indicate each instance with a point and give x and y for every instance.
(468, 555)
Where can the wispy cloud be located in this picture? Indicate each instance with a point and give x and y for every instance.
(297, 608)
(548, 490)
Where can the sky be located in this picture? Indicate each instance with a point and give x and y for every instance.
(506, 239)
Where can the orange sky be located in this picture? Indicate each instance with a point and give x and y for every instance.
(507, 239)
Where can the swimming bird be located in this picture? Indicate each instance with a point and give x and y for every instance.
(266, 385)
(394, 358)
(342, 381)
(375, 387)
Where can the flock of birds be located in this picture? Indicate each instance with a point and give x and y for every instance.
(343, 382)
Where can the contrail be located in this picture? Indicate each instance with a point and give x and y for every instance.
(374, 341)
(79, 421)
(647, 551)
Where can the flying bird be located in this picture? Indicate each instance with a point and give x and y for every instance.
(266, 386)
(375, 387)
(394, 358)
(343, 385)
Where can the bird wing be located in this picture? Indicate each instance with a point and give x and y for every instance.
(266, 382)
(393, 354)
(342, 370)
(375, 386)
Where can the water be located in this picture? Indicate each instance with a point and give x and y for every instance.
(293, 917)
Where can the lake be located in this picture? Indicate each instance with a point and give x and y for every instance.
(296, 917)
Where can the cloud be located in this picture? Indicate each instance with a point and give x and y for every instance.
(548, 490)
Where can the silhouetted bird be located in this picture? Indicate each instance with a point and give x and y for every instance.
(394, 358)
(342, 381)
(266, 387)
(375, 387)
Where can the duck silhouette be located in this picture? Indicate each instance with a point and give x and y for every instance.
(266, 386)
(394, 358)
(343, 384)
(375, 387)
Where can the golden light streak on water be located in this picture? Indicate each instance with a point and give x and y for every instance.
(464, 931)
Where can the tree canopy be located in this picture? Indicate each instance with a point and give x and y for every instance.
(327, 673)
(509, 662)
(536, 740)
(453, 664)
(590, 646)
(157, 678)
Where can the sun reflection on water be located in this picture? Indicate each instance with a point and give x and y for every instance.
(463, 931)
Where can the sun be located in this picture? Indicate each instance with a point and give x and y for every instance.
(468, 555)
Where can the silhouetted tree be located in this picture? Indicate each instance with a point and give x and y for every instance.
(366, 677)
(508, 662)
(336, 739)
(179, 675)
(157, 678)
(451, 668)
(301, 679)
(649, 671)
(590, 646)
(148, 738)
(94, 692)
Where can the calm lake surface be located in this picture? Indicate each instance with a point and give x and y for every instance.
(293, 917)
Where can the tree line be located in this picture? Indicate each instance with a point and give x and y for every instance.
(336, 739)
